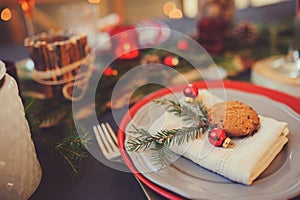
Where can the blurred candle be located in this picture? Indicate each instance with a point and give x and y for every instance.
(190, 8)
(125, 42)
(27, 6)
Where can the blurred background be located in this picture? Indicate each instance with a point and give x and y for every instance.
(56, 14)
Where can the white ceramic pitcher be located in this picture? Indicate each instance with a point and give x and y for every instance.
(20, 171)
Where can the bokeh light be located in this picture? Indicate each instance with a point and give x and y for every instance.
(6, 14)
(175, 13)
(94, 1)
(168, 6)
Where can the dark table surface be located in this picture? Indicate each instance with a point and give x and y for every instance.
(98, 181)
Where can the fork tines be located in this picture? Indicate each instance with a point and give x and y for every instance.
(106, 138)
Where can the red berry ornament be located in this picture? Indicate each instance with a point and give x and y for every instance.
(190, 92)
(217, 137)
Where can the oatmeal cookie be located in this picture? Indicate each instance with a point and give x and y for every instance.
(235, 118)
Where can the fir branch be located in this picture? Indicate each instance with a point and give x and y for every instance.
(57, 114)
(29, 104)
(73, 151)
(163, 138)
(178, 136)
(195, 113)
(161, 157)
(202, 114)
(143, 141)
(71, 164)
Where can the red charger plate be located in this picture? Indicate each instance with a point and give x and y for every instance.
(292, 102)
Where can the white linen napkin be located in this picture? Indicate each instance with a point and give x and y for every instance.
(242, 162)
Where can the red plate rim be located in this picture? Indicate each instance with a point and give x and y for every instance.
(292, 102)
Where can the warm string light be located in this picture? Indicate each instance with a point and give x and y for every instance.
(175, 14)
(170, 9)
(94, 1)
(6, 14)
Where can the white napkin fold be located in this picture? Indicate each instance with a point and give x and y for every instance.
(244, 161)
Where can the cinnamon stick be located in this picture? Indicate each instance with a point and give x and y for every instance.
(65, 59)
(46, 67)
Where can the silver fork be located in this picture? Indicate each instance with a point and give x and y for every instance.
(107, 141)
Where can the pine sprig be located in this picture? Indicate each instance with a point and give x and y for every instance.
(161, 157)
(202, 113)
(178, 136)
(73, 151)
(43, 114)
(143, 141)
(163, 138)
(196, 113)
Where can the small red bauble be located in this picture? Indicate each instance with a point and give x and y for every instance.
(190, 92)
(217, 137)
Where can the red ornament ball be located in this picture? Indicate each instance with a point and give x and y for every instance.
(171, 61)
(190, 91)
(183, 45)
(218, 138)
